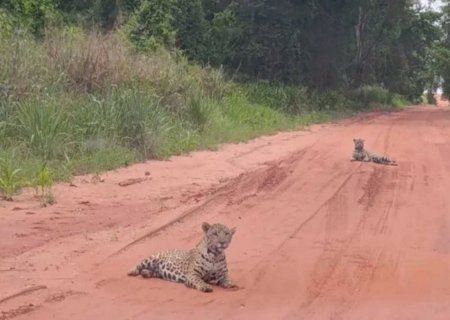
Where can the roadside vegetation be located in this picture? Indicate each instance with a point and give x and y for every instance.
(95, 85)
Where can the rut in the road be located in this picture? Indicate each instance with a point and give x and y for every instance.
(233, 192)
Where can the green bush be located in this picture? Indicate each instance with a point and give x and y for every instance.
(332, 100)
(31, 15)
(7, 23)
(293, 100)
(151, 26)
(398, 101)
(370, 95)
(191, 27)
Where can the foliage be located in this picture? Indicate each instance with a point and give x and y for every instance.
(42, 127)
(397, 101)
(31, 15)
(373, 94)
(318, 44)
(224, 32)
(7, 23)
(9, 178)
(44, 183)
(151, 26)
(443, 51)
(191, 28)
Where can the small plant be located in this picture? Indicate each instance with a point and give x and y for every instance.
(44, 183)
(9, 179)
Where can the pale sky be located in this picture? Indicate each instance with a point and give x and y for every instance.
(435, 4)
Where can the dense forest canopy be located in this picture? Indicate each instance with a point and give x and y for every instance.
(322, 44)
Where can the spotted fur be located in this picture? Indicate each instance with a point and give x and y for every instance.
(197, 268)
(361, 154)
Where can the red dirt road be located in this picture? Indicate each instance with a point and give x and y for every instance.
(318, 236)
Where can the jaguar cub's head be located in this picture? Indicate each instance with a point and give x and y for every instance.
(217, 236)
(359, 144)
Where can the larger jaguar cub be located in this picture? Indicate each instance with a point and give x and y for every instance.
(361, 154)
(197, 268)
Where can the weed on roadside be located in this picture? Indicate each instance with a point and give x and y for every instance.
(10, 179)
(43, 184)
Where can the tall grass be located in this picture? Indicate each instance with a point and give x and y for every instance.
(43, 127)
(88, 102)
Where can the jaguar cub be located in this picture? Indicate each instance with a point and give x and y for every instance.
(361, 154)
(197, 268)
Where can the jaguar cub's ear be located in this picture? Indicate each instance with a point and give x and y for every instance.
(205, 227)
(354, 140)
(233, 230)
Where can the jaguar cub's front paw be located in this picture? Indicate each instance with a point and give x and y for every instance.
(206, 289)
(228, 285)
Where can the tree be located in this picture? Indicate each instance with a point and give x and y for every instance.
(152, 25)
(191, 28)
(32, 15)
(443, 51)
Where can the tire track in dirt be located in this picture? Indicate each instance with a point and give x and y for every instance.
(235, 191)
(345, 178)
(271, 177)
(339, 254)
(335, 251)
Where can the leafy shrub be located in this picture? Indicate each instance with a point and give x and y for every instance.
(7, 23)
(293, 100)
(370, 95)
(191, 29)
(151, 26)
(31, 15)
(331, 100)
(398, 101)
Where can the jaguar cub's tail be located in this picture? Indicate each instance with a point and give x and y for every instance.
(134, 272)
(137, 270)
(384, 160)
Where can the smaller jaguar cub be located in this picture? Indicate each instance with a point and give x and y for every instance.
(361, 154)
(197, 268)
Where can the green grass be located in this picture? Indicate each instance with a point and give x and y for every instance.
(86, 103)
(10, 180)
(42, 127)
(398, 102)
(43, 185)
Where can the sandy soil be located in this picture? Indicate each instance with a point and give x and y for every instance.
(318, 236)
